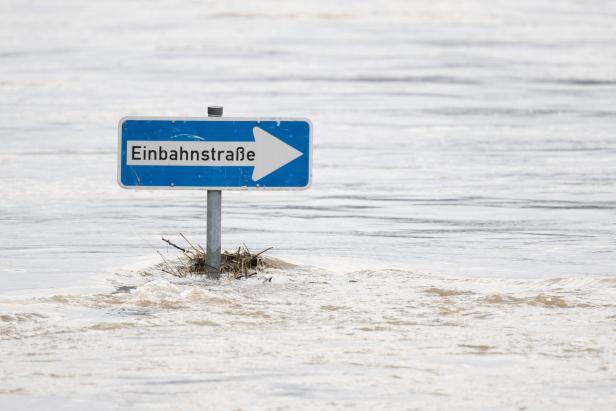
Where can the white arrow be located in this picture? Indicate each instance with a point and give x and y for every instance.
(266, 153)
(271, 153)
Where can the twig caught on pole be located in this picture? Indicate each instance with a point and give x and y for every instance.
(173, 245)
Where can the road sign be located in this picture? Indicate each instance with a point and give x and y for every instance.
(214, 153)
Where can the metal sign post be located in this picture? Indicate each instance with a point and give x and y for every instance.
(214, 216)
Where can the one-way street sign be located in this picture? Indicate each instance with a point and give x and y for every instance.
(214, 153)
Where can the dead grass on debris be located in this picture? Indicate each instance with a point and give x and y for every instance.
(237, 264)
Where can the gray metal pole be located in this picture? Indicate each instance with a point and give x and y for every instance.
(214, 216)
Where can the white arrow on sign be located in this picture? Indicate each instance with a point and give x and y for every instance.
(266, 153)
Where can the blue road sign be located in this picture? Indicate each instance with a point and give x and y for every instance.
(214, 153)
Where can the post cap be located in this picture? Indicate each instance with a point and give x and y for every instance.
(214, 111)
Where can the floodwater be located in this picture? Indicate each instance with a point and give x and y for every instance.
(457, 248)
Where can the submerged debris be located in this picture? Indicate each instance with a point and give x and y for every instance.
(239, 264)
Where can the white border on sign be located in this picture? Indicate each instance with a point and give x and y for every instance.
(258, 119)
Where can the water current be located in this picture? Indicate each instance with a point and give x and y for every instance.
(457, 248)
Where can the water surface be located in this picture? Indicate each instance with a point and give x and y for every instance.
(456, 249)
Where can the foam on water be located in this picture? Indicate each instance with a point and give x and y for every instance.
(316, 338)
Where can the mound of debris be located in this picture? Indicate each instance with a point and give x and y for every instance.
(237, 264)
